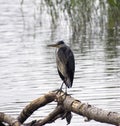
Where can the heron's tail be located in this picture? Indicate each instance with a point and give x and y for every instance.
(68, 83)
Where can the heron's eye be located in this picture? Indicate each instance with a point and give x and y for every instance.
(60, 42)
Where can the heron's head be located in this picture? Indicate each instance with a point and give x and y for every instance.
(57, 45)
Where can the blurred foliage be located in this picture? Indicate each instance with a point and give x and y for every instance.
(84, 16)
(114, 3)
(88, 21)
(114, 13)
(78, 13)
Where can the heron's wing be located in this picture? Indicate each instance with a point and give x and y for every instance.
(62, 55)
(70, 65)
(65, 59)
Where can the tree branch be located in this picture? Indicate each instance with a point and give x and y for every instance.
(92, 112)
(57, 113)
(65, 105)
(8, 119)
(34, 105)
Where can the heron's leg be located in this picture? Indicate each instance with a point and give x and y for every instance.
(61, 86)
(66, 90)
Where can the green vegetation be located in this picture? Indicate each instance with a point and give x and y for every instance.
(84, 14)
(84, 17)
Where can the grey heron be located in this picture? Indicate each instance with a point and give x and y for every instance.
(65, 63)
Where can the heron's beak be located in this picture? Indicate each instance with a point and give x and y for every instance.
(53, 45)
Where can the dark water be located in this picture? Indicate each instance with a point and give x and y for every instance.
(28, 69)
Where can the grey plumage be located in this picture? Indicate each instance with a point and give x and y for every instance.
(65, 63)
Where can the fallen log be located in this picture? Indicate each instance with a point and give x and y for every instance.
(8, 119)
(65, 105)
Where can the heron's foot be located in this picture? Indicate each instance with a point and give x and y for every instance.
(59, 90)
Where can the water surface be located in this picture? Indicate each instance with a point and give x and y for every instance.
(28, 68)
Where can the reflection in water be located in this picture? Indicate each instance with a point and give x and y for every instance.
(27, 66)
(84, 17)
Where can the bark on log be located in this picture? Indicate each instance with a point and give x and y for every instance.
(92, 112)
(65, 105)
(34, 105)
(8, 119)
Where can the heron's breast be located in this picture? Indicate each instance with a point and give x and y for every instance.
(61, 66)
